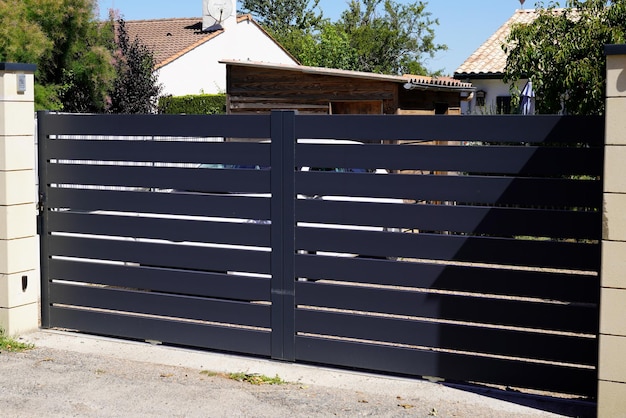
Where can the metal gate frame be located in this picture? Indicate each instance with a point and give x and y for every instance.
(288, 332)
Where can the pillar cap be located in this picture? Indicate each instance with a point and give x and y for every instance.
(615, 49)
(13, 66)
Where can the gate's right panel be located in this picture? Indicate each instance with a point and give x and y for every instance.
(472, 258)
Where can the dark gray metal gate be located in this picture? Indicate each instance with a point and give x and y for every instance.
(474, 260)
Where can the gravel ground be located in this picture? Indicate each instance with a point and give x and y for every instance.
(77, 376)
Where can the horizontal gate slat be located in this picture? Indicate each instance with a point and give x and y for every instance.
(194, 283)
(455, 218)
(479, 279)
(457, 367)
(513, 313)
(255, 342)
(537, 346)
(248, 153)
(232, 126)
(521, 160)
(495, 128)
(229, 206)
(254, 234)
(181, 179)
(159, 304)
(452, 188)
(161, 255)
(521, 252)
(482, 159)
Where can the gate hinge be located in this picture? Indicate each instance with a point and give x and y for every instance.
(41, 203)
(40, 211)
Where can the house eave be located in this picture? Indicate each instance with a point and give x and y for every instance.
(479, 76)
(432, 87)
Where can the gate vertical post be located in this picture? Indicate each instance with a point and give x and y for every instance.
(19, 281)
(282, 236)
(612, 368)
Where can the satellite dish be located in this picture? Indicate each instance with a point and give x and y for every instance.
(217, 11)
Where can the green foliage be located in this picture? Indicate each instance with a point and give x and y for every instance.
(81, 66)
(562, 52)
(202, 104)
(393, 42)
(382, 36)
(66, 24)
(252, 378)
(293, 23)
(135, 87)
(69, 46)
(21, 40)
(11, 345)
(284, 16)
(329, 48)
(47, 98)
(256, 379)
(78, 62)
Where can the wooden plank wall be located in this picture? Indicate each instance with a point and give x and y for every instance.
(260, 90)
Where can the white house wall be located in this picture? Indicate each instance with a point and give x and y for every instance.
(199, 71)
(492, 88)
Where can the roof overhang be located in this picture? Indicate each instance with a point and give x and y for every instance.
(438, 85)
(315, 70)
(479, 76)
(410, 82)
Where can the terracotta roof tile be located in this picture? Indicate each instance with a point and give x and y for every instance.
(421, 80)
(171, 38)
(489, 58)
(167, 38)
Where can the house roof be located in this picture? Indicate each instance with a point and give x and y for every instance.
(489, 60)
(438, 83)
(429, 83)
(169, 39)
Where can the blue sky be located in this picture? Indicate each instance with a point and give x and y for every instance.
(463, 24)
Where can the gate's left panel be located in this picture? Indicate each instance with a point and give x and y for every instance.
(157, 228)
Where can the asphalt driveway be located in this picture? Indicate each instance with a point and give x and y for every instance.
(76, 375)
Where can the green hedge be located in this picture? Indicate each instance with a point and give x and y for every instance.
(201, 104)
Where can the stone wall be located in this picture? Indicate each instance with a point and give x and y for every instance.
(19, 258)
(612, 367)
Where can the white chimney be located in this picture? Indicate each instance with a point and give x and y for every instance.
(218, 14)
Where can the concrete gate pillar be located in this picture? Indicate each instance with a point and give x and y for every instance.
(612, 360)
(19, 258)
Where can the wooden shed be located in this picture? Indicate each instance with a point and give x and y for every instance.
(257, 87)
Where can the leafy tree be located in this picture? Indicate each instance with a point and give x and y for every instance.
(135, 88)
(69, 46)
(47, 98)
(393, 42)
(281, 17)
(293, 23)
(21, 40)
(380, 36)
(79, 62)
(562, 52)
(330, 48)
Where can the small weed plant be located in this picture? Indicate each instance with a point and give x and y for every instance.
(252, 378)
(11, 345)
(256, 379)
